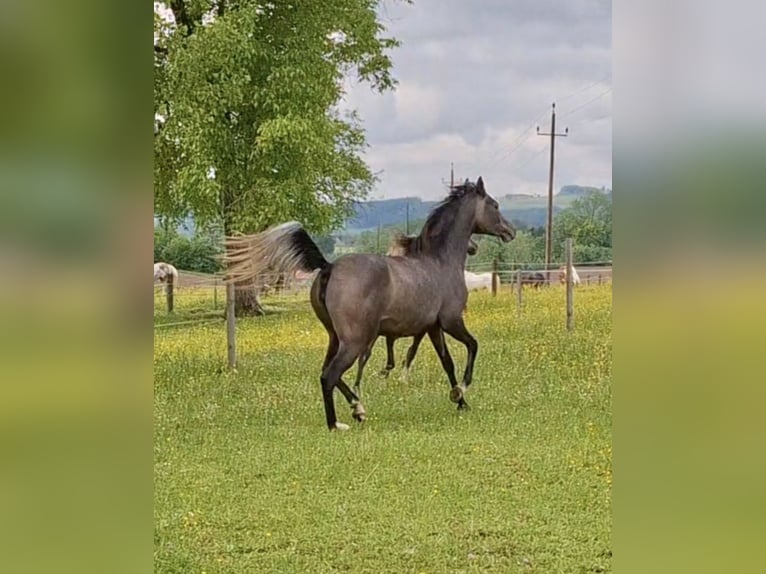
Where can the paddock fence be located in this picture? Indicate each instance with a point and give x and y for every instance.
(198, 298)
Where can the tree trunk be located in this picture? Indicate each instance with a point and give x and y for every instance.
(246, 303)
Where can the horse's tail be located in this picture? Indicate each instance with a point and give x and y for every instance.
(285, 248)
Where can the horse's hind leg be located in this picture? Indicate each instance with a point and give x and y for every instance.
(363, 358)
(390, 362)
(413, 350)
(327, 387)
(440, 345)
(357, 409)
(331, 378)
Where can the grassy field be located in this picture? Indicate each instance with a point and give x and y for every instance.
(248, 479)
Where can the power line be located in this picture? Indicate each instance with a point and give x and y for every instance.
(526, 134)
(517, 143)
(586, 88)
(525, 163)
(581, 106)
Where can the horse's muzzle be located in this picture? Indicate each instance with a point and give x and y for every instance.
(506, 233)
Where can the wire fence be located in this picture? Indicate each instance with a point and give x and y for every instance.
(196, 298)
(199, 297)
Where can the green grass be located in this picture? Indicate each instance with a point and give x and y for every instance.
(248, 479)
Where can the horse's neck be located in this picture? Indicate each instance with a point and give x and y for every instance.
(455, 251)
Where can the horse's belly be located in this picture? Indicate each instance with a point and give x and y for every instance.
(406, 325)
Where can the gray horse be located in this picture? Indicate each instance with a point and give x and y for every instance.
(361, 296)
(401, 246)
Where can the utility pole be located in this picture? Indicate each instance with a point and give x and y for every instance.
(549, 228)
(407, 219)
(451, 175)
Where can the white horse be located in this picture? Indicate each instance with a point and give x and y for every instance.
(477, 281)
(563, 275)
(162, 271)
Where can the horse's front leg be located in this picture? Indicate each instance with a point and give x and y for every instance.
(440, 346)
(456, 328)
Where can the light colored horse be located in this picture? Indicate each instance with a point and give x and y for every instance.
(164, 270)
(477, 281)
(563, 275)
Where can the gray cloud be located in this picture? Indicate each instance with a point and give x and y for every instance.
(473, 77)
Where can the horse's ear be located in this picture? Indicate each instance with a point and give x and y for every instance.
(480, 186)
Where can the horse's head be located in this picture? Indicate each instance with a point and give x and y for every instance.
(487, 219)
(402, 245)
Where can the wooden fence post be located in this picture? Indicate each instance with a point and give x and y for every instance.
(169, 292)
(215, 293)
(231, 342)
(570, 284)
(495, 278)
(518, 289)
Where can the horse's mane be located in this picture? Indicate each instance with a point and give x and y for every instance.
(401, 244)
(440, 220)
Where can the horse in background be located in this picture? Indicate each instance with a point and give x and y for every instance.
(401, 246)
(535, 279)
(163, 271)
(359, 296)
(477, 281)
(563, 275)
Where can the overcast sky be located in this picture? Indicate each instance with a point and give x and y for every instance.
(475, 78)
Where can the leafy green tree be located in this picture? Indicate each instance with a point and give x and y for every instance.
(247, 127)
(588, 221)
(591, 253)
(199, 253)
(519, 253)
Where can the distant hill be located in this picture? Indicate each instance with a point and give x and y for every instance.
(531, 210)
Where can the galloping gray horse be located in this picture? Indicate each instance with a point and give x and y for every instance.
(359, 296)
(401, 246)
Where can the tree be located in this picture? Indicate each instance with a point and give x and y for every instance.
(199, 253)
(588, 221)
(523, 250)
(248, 131)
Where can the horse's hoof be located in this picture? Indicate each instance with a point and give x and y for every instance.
(340, 427)
(456, 394)
(359, 413)
(384, 372)
(463, 406)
